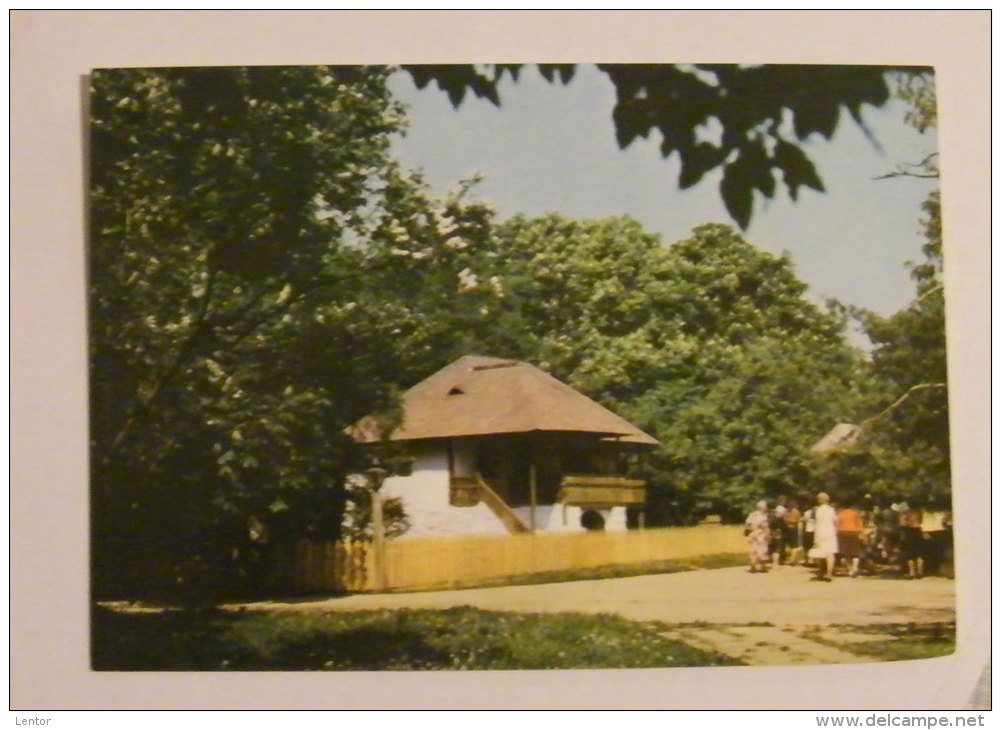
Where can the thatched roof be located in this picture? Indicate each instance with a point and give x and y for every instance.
(476, 396)
(842, 436)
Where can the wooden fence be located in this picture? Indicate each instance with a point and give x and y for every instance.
(440, 561)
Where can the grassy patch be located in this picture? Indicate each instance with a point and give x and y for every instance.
(457, 638)
(910, 641)
(904, 648)
(663, 626)
(906, 641)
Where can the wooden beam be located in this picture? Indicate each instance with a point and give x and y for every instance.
(602, 480)
(604, 496)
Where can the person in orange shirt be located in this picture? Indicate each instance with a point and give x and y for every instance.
(849, 525)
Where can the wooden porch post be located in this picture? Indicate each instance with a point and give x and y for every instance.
(376, 476)
(379, 541)
(641, 464)
(533, 489)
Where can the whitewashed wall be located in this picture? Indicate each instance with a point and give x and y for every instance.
(425, 500)
(557, 518)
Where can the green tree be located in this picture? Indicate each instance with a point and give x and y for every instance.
(765, 113)
(709, 345)
(235, 213)
(757, 371)
(902, 449)
(431, 280)
(579, 299)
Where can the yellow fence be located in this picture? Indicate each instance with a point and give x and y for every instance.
(339, 566)
(439, 561)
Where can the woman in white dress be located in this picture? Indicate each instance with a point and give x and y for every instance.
(825, 539)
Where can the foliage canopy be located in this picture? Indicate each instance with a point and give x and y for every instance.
(230, 209)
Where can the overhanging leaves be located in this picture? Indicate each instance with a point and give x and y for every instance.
(750, 102)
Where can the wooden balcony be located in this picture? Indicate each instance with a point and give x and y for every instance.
(601, 491)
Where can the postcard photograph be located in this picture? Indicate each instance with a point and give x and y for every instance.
(516, 366)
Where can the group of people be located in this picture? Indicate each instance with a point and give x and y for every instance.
(859, 535)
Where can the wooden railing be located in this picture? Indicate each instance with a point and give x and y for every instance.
(601, 490)
(423, 562)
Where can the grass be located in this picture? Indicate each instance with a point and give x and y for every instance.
(456, 638)
(905, 642)
(910, 641)
(663, 626)
(904, 649)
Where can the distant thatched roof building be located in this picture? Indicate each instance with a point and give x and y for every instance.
(842, 436)
(477, 396)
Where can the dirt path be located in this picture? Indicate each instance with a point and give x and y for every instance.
(759, 618)
(722, 596)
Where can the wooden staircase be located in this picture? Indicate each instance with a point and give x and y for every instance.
(467, 491)
(500, 508)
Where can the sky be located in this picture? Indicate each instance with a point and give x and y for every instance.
(552, 148)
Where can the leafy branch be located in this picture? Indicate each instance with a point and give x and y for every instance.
(752, 104)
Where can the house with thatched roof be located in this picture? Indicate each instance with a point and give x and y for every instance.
(499, 446)
(842, 436)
